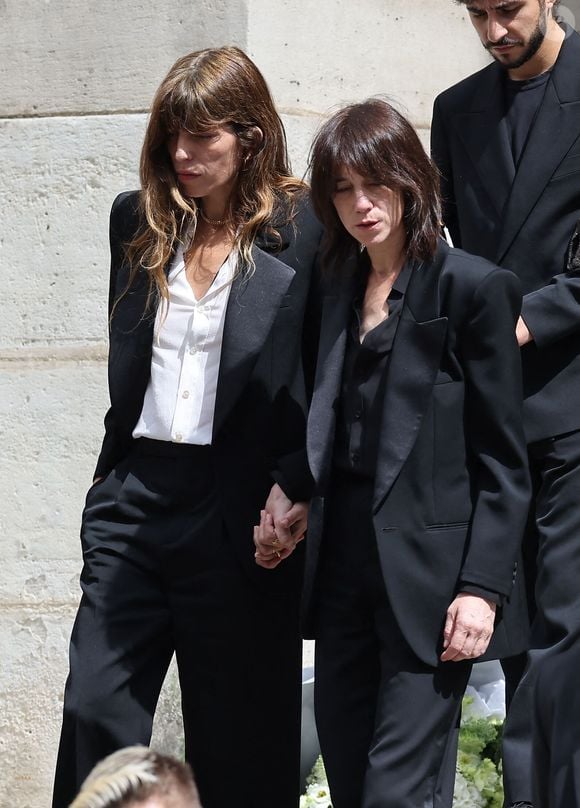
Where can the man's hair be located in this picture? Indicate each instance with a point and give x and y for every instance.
(134, 774)
(465, 2)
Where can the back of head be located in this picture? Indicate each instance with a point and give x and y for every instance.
(138, 777)
(374, 140)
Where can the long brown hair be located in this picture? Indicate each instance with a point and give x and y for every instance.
(374, 140)
(204, 90)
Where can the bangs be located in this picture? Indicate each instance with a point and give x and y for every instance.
(356, 145)
(373, 140)
(191, 108)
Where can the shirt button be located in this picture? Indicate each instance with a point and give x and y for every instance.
(357, 415)
(178, 437)
(193, 349)
(185, 394)
(355, 457)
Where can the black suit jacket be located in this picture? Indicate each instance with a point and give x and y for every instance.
(260, 411)
(522, 221)
(451, 489)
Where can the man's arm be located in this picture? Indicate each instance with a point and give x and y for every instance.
(442, 158)
(553, 312)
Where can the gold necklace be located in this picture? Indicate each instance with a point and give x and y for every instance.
(212, 222)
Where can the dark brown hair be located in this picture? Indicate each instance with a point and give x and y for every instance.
(204, 90)
(540, 2)
(376, 141)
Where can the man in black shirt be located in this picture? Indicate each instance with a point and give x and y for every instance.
(507, 143)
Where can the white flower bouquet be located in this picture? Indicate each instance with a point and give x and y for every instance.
(478, 781)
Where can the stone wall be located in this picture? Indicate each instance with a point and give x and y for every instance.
(77, 79)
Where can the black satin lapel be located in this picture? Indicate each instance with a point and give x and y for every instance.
(483, 131)
(415, 360)
(322, 417)
(252, 307)
(555, 130)
(411, 375)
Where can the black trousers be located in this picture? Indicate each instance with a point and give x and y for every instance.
(385, 719)
(552, 552)
(556, 741)
(160, 576)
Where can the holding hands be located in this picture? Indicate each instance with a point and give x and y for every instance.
(282, 526)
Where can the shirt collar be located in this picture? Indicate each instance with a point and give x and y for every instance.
(399, 286)
(223, 278)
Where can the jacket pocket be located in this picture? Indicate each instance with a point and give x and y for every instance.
(570, 165)
(446, 526)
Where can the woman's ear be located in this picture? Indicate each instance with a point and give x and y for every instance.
(254, 138)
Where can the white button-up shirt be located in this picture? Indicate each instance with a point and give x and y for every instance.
(180, 399)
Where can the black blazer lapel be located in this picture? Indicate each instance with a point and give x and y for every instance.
(484, 134)
(556, 127)
(322, 417)
(254, 301)
(413, 367)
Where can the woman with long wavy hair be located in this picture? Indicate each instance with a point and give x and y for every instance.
(211, 269)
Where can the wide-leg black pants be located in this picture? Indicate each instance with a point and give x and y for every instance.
(552, 555)
(385, 719)
(159, 576)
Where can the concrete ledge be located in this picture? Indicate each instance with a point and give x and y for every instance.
(337, 53)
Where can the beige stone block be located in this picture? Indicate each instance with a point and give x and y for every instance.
(33, 649)
(73, 57)
(300, 130)
(51, 427)
(335, 53)
(34, 652)
(59, 178)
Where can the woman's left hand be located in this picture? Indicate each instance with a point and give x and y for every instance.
(270, 551)
(282, 526)
(468, 627)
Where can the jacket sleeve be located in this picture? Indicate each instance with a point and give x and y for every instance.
(292, 472)
(112, 449)
(553, 312)
(494, 429)
(441, 157)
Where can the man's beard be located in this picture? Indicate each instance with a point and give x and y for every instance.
(533, 46)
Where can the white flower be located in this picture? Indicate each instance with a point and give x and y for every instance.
(466, 795)
(317, 794)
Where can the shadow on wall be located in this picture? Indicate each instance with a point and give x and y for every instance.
(569, 11)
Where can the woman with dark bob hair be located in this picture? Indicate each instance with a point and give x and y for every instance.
(211, 268)
(416, 444)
